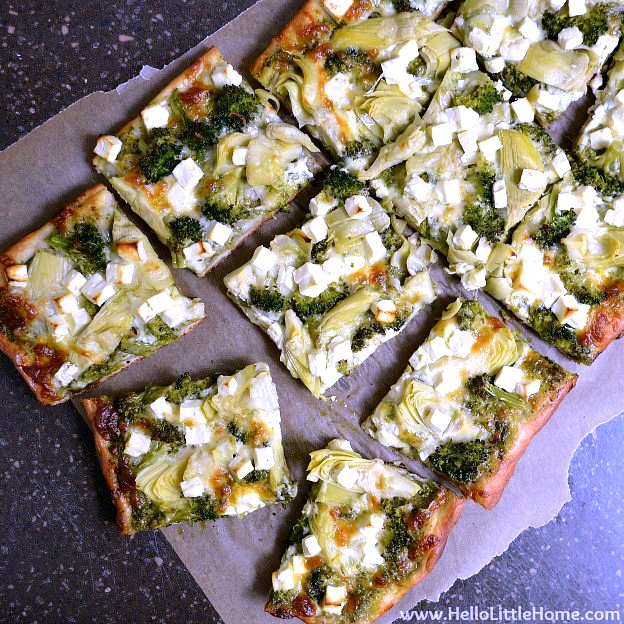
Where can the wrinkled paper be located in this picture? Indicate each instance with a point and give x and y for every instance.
(232, 559)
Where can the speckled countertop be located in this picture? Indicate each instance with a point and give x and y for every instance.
(61, 559)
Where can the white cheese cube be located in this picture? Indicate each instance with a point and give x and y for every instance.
(451, 191)
(409, 50)
(180, 199)
(385, 311)
(175, 315)
(145, 312)
(499, 191)
(66, 302)
(276, 333)
(530, 30)
(334, 268)
(375, 248)
(263, 458)
(191, 413)
(227, 385)
(224, 74)
(615, 217)
(161, 301)
(239, 156)
(315, 229)
(66, 373)
(335, 598)
(463, 118)
(337, 8)
(460, 342)
(528, 388)
(80, 319)
(346, 476)
(465, 237)
(97, 290)
(108, 147)
(576, 7)
(480, 40)
(339, 350)
(155, 116)
(117, 273)
(464, 60)
(188, 174)
(547, 100)
(131, 250)
(322, 204)
(358, 207)
(438, 420)
(435, 349)
(17, 273)
(263, 260)
(285, 281)
(441, 134)
(495, 65)
(551, 289)
(523, 109)
(513, 50)
(417, 187)
(161, 408)
(567, 201)
(197, 253)
(570, 38)
(241, 468)
(601, 139)
(475, 278)
(219, 233)
(468, 141)
(311, 279)
(561, 164)
(508, 378)
(192, 487)
(317, 363)
(448, 381)
(197, 434)
(196, 311)
(483, 251)
(337, 88)
(299, 565)
(310, 546)
(570, 312)
(283, 579)
(138, 443)
(532, 180)
(490, 146)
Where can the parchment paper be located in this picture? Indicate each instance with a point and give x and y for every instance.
(232, 560)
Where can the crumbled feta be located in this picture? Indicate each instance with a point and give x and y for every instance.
(615, 216)
(338, 350)
(465, 237)
(322, 204)
(335, 598)
(97, 290)
(219, 233)
(530, 30)
(490, 146)
(17, 273)
(436, 348)
(451, 191)
(239, 156)
(310, 546)
(495, 65)
(131, 250)
(337, 8)
(508, 378)
(462, 117)
(160, 302)
(481, 41)
(241, 468)
(337, 89)
(441, 134)
(58, 326)
(188, 174)
(311, 279)
(145, 312)
(108, 147)
(464, 60)
(570, 38)
(375, 248)
(138, 443)
(417, 187)
(448, 381)
(175, 315)
(117, 273)
(515, 49)
(263, 260)
(224, 74)
(299, 565)
(576, 7)
(285, 280)
(532, 180)
(475, 278)
(523, 109)
(601, 139)
(438, 419)
(561, 164)
(66, 373)
(528, 388)
(179, 198)
(547, 100)
(468, 141)
(385, 311)
(358, 207)
(192, 487)
(227, 385)
(499, 191)
(317, 363)
(197, 434)
(66, 302)
(276, 333)
(339, 444)
(567, 201)
(483, 250)
(161, 408)
(570, 312)
(155, 116)
(284, 578)
(80, 319)
(460, 342)
(191, 413)
(263, 458)
(315, 229)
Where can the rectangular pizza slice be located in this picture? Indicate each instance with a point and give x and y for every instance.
(84, 296)
(545, 51)
(355, 73)
(468, 172)
(206, 162)
(330, 292)
(368, 533)
(192, 451)
(563, 272)
(471, 400)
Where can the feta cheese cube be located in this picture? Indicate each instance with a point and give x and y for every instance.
(66, 373)
(417, 187)
(463, 118)
(337, 88)
(188, 173)
(567, 201)
(276, 333)
(340, 444)
(138, 443)
(335, 598)
(283, 579)
(561, 164)
(528, 388)
(451, 191)
(468, 141)
(197, 434)
(464, 60)
(448, 381)
(224, 74)
(358, 207)
(495, 65)
(547, 100)
(465, 237)
(263, 458)
(532, 180)
(508, 378)
(460, 342)
(441, 134)
(570, 38)
(346, 476)
(337, 8)
(438, 420)
(338, 350)
(17, 273)
(483, 251)
(315, 229)
(191, 413)
(131, 250)
(480, 40)
(161, 301)
(197, 253)
(317, 363)
(385, 311)
(322, 204)
(175, 316)
(513, 50)
(499, 191)
(475, 278)
(192, 487)
(570, 312)
(408, 51)
(97, 290)
(145, 312)
(285, 281)
(263, 260)
(615, 217)
(523, 109)
(155, 116)
(219, 233)
(601, 139)
(66, 302)
(311, 279)
(241, 468)
(310, 546)
(80, 318)
(239, 156)
(117, 273)
(530, 30)
(576, 7)
(490, 146)
(227, 385)
(375, 248)
(108, 147)
(161, 408)
(179, 198)
(299, 565)
(435, 349)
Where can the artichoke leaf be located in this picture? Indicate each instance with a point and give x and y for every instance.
(46, 273)
(297, 346)
(501, 351)
(289, 134)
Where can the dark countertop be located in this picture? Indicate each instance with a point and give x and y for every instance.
(61, 558)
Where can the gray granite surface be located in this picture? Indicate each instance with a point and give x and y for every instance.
(61, 559)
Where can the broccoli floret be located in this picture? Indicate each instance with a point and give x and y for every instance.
(185, 388)
(353, 61)
(593, 23)
(237, 432)
(573, 280)
(85, 246)
(234, 107)
(417, 67)
(359, 149)
(162, 155)
(588, 174)
(224, 213)
(482, 99)
(538, 135)
(130, 406)
(402, 6)
(256, 475)
(461, 461)
(199, 136)
(305, 307)
(340, 184)
(547, 325)
(164, 431)
(318, 253)
(481, 214)
(297, 532)
(163, 333)
(343, 367)
(471, 316)
(391, 239)
(184, 231)
(517, 82)
(202, 508)
(318, 581)
(267, 299)
(365, 333)
(552, 231)
(146, 515)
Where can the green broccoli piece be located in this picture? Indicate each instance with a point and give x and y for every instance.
(233, 108)
(319, 251)
(547, 325)
(417, 67)
(589, 174)
(305, 307)
(185, 388)
(595, 22)
(237, 432)
(471, 316)
(162, 155)
(402, 6)
(202, 509)
(199, 136)
(482, 99)
(318, 581)
(164, 431)
(552, 231)
(85, 247)
(481, 214)
(256, 475)
(184, 231)
(130, 406)
(461, 461)
(341, 185)
(146, 515)
(391, 239)
(353, 61)
(359, 149)
(343, 367)
(517, 82)
(366, 332)
(538, 135)
(267, 299)
(162, 332)
(224, 213)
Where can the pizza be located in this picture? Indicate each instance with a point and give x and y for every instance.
(545, 51)
(192, 451)
(468, 172)
(84, 296)
(470, 401)
(368, 533)
(206, 162)
(355, 73)
(563, 272)
(331, 291)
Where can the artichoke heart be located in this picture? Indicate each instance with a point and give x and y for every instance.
(160, 474)
(45, 274)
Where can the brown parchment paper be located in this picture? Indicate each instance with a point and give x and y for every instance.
(232, 559)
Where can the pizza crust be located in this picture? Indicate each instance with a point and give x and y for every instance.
(607, 322)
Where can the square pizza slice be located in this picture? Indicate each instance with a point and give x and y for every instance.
(368, 533)
(545, 51)
(84, 296)
(206, 162)
(355, 73)
(195, 450)
(467, 173)
(330, 292)
(563, 272)
(470, 401)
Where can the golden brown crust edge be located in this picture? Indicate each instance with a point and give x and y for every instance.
(607, 322)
